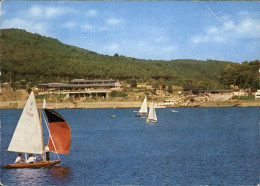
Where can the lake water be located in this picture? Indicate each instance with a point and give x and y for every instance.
(194, 146)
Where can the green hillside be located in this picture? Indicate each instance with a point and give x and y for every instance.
(28, 57)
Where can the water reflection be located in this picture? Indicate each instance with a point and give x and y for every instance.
(56, 175)
(29, 176)
(60, 172)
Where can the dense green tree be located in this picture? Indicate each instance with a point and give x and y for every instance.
(133, 83)
(39, 59)
(170, 88)
(116, 55)
(245, 75)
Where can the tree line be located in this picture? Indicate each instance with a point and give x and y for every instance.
(30, 59)
(244, 76)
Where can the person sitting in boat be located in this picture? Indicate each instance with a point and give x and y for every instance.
(31, 159)
(19, 159)
(47, 152)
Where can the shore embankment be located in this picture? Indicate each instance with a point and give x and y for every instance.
(20, 105)
(113, 104)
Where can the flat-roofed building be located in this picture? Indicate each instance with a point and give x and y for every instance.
(141, 85)
(103, 84)
(53, 87)
(257, 94)
(81, 88)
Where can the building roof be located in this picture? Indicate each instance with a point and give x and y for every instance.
(196, 89)
(83, 80)
(54, 85)
(191, 88)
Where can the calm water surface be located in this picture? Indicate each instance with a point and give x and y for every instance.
(195, 146)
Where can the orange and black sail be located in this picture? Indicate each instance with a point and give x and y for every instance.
(59, 131)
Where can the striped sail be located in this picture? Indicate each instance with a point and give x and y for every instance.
(60, 137)
(27, 137)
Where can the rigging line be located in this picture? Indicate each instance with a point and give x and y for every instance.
(50, 135)
(37, 157)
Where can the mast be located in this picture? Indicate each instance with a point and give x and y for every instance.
(47, 126)
(40, 120)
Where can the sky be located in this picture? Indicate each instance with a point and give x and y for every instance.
(157, 30)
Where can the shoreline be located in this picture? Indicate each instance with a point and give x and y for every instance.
(114, 104)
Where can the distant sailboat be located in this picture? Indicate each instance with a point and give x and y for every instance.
(143, 110)
(28, 135)
(44, 104)
(113, 116)
(152, 118)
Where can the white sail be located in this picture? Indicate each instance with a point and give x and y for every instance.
(27, 137)
(44, 104)
(152, 114)
(143, 108)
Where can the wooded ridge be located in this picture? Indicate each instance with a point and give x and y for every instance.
(28, 58)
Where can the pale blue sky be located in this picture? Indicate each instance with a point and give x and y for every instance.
(227, 30)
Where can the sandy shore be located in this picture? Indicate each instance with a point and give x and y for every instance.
(20, 104)
(232, 103)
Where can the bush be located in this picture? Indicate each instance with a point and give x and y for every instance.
(118, 94)
(250, 97)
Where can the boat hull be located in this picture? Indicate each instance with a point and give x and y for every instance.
(151, 121)
(141, 115)
(32, 165)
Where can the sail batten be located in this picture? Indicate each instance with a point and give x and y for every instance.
(27, 137)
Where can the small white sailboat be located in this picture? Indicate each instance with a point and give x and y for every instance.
(152, 118)
(28, 135)
(143, 110)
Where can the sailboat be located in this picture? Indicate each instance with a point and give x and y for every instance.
(152, 118)
(28, 135)
(143, 110)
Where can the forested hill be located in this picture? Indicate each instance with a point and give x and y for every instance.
(28, 57)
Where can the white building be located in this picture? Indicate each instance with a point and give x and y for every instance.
(257, 94)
